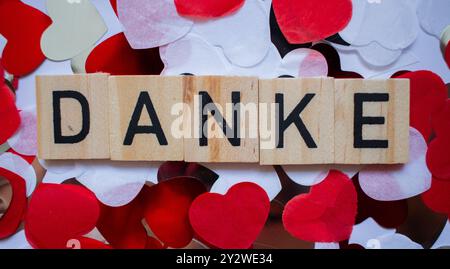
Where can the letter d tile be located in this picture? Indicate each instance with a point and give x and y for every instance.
(72, 113)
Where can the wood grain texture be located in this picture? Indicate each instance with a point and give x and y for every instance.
(219, 149)
(95, 89)
(164, 93)
(317, 116)
(395, 129)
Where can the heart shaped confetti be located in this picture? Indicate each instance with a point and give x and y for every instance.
(167, 210)
(326, 214)
(116, 184)
(303, 63)
(12, 218)
(122, 226)
(279, 40)
(390, 214)
(233, 220)
(303, 21)
(21, 167)
(334, 62)
(24, 141)
(398, 182)
(10, 114)
(397, 30)
(427, 94)
(59, 213)
(22, 26)
(204, 9)
(441, 120)
(310, 175)
(248, 27)
(193, 55)
(150, 24)
(445, 45)
(437, 198)
(264, 176)
(433, 16)
(169, 170)
(438, 159)
(116, 57)
(76, 27)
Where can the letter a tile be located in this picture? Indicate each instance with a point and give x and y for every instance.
(146, 118)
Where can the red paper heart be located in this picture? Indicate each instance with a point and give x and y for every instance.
(447, 54)
(22, 25)
(204, 9)
(12, 218)
(437, 198)
(114, 5)
(116, 57)
(233, 220)
(59, 213)
(303, 21)
(122, 226)
(169, 170)
(326, 214)
(86, 243)
(428, 94)
(438, 157)
(441, 120)
(167, 210)
(10, 115)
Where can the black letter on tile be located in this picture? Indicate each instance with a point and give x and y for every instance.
(207, 102)
(360, 120)
(57, 130)
(134, 127)
(293, 118)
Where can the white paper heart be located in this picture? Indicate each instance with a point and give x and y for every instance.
(264, 69)
(380, 42)
(20, 167)
(398, 182)
(24, 141)
(192, 54)
(151, 24)
(368, 230)
(303, 63)
(393, 241)
(434, 16)
(397, 29)
(75, 28)
(116, 183)
(309, 175)
(377, 55)
(232, 174)
(244, 36)
(78, 63)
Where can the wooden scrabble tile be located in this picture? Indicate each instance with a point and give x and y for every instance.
(141, 118)
(73, 120)
(371, 121)
(301, 131)
(241, 142)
